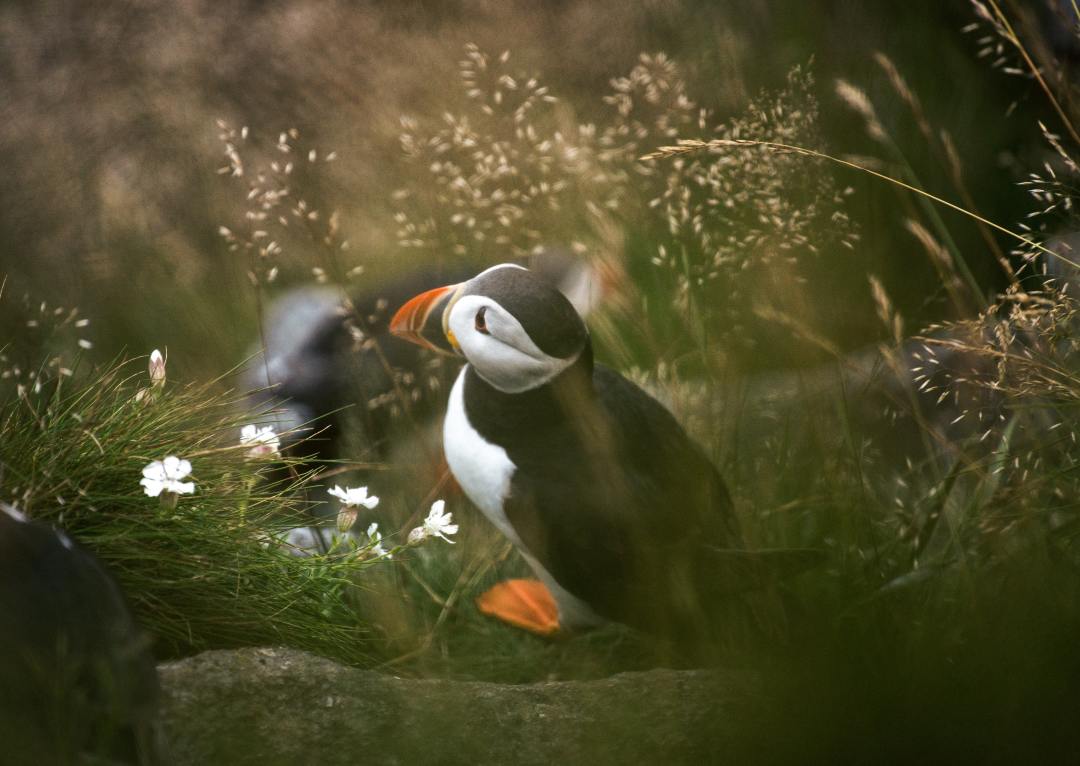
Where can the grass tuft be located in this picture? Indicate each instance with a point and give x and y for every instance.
(207, 572)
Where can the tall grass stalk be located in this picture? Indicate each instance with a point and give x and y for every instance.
(691, 145)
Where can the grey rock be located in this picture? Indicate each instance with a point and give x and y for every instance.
(282, 706)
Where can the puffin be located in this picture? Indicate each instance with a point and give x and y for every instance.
(620, 514)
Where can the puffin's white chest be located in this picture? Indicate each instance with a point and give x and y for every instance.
(484, 471)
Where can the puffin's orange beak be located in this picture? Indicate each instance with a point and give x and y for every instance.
(423, 319)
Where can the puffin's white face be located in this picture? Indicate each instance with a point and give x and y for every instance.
(499, 348)
(516, 330)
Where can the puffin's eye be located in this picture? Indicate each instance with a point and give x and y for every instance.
(481, 321)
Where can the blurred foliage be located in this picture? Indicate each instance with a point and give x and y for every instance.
(938, 474)
(109, 136)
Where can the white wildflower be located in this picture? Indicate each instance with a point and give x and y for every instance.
(163, 478)
(437, 524)
(263, 442)
(375, 540)
(354, 496)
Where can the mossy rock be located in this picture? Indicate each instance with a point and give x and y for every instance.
(281, 706)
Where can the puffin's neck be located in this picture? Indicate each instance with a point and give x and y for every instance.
(505, 419)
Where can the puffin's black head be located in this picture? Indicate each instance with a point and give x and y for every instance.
(517, 331)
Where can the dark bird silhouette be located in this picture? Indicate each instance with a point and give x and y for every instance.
(78, 681)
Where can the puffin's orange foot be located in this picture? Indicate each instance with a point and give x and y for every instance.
(526, 604)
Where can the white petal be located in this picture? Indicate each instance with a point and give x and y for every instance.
(152, 487)
(172, 464)
(155, 471)
(182, 487)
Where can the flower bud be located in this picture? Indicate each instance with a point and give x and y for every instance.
(157, 368)
(347, 517)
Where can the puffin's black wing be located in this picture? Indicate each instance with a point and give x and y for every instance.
(616, 501)
(678, 480)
